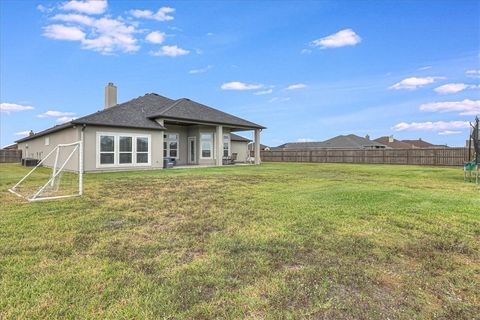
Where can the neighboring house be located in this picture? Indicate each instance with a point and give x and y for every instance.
(419, 143)
(392, 143)
(141, 132)
(350, 141)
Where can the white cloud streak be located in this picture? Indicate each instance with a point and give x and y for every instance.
(61, 32)
(345, 37)
(13, 107)
(87, 6)
(236, 85)
(296, 86)
(161, 15)
(170, 51)
(466, 107)
(448, 133)
(431, 126)
(454, 88)
(22, 133)
(474, 73)
(279, 99)
(55, 114)
(413, 83)
(201, 70)
(263, 92)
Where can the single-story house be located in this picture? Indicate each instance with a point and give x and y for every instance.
(419, 143)
(393, 143)
(350, 141)
(140, 133)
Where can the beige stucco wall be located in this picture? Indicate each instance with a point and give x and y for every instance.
(36, 148)
(241, 149)
(90, 150)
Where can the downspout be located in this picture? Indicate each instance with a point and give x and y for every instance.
(81, 160)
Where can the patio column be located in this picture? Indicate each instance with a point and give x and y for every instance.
(219, 146)
(257, 146)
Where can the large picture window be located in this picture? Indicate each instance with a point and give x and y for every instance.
(116, 149)
(206, 144)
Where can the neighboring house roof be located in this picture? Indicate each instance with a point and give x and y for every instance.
(141, 112)
(419, 143)
(11, 146)
(251, 146)
(350, 141)
(396, 144)
(236, 137)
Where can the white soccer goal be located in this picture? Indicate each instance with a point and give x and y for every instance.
(58, 175)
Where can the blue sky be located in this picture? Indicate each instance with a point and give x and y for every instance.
(306, 70)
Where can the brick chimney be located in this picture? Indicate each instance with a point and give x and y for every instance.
(110, 95)
(390, 139)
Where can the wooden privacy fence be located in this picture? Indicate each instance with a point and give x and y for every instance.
(428, 157)
(10, 156)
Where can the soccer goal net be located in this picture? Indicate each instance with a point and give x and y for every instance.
(58, 175)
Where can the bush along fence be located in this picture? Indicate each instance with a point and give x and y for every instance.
(9, 156)
(428, 157)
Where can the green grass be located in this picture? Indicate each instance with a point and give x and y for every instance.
(271, 241)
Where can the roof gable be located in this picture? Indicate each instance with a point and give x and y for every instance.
(186, 109)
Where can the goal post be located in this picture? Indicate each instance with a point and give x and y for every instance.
(58, 175)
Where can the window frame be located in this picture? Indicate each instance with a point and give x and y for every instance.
(210, 141)
(47, 141)
(116, 150)
(226, 140)
(166, 145)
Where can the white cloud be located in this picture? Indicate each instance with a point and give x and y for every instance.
(22, 133)
(13, 107)
(454, 88)
(425, 68)
(278, 99)
(44, 9)
(105, 35)
(61, 32)
(432, 126)
(202, 70)
(65, 119)
(236, 85)
(448, 132)
(160, 15)
(305, 140)
(74, 17)
(414, 82)
(296, 86)
(156, 37)
(465, 107)
(87, 6)
(209, 34)
(260, 93)
(473, 73)
(346, 37)
(170, 51)
(55, 114)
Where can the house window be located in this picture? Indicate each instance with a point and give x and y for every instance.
(118, 149)
(206, 144)
(125, 151)
(107, 149)
(170, 145)
(226, 145)
(47, 141)
(142, 150)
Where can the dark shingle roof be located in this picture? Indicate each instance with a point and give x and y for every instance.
(419, 143)
(236, 137)
(186, 109)
(141, 112)
(396, 144)
(133, 113)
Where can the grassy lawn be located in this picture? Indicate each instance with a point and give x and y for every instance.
(271, 241)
